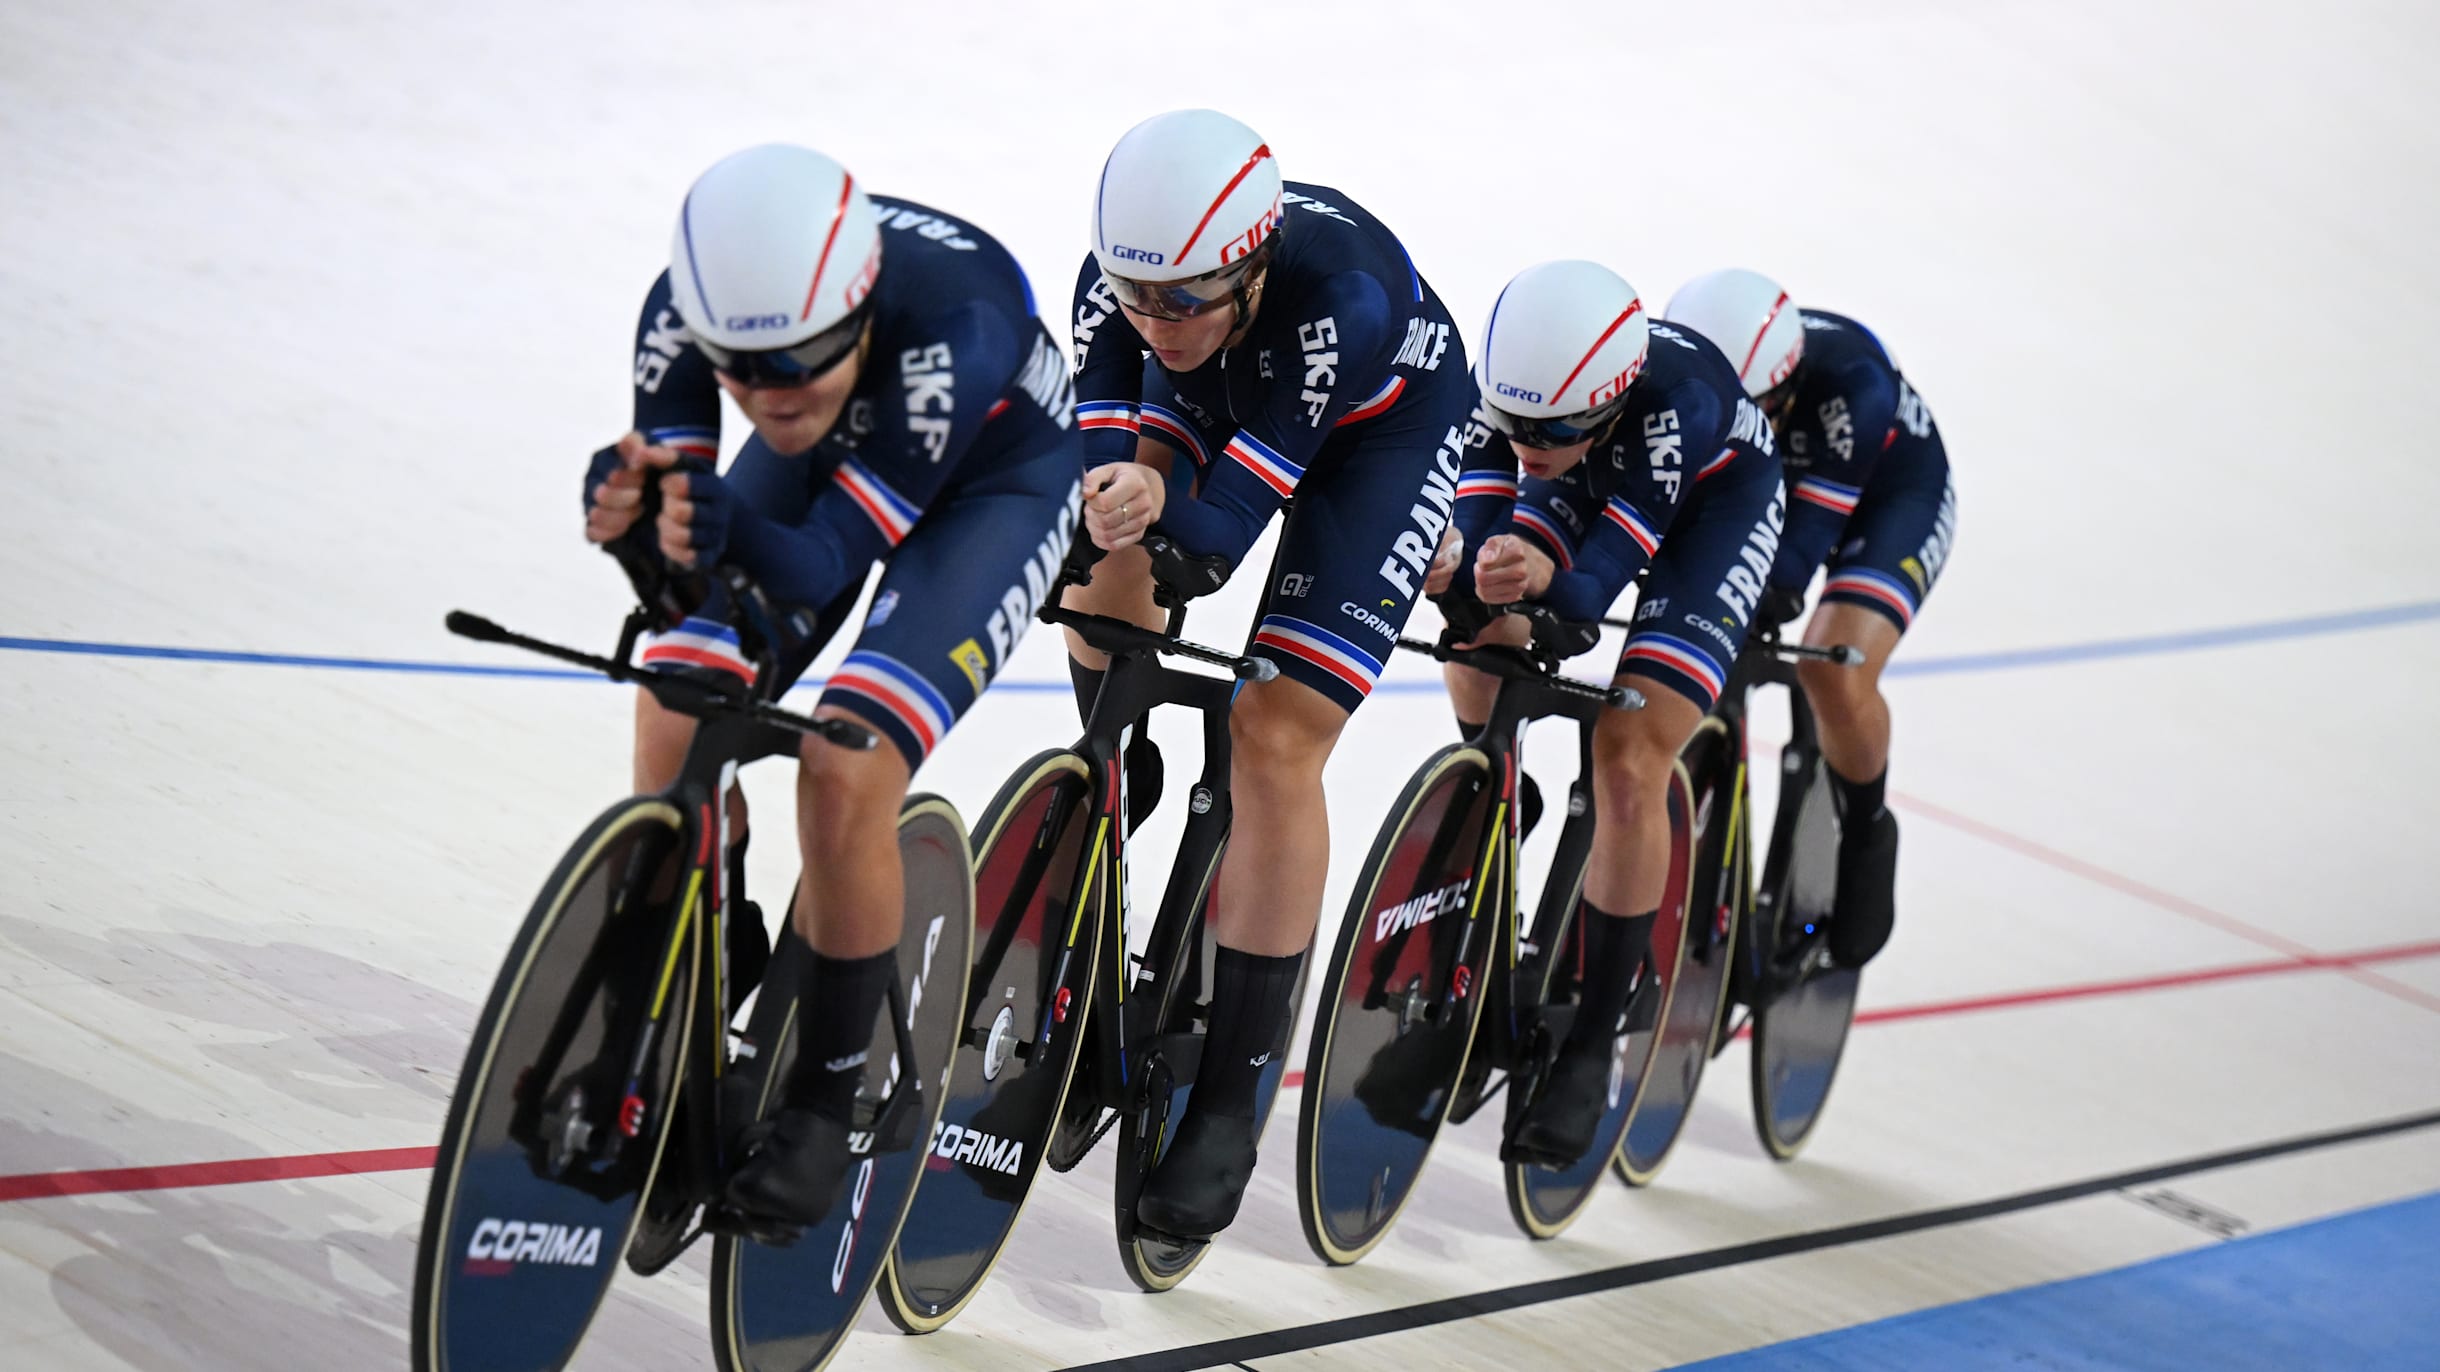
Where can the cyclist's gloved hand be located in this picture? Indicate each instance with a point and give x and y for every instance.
(1779, 605)
(699, 511)
(1466, 617)
(615, 489)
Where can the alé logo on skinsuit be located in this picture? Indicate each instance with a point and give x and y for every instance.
(498, 1246)
(1422, 909)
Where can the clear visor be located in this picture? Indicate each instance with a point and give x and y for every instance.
(792, 366)
(1196, 294)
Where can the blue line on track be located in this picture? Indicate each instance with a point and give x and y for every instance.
(2150, 645)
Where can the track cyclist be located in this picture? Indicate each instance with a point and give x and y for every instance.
(910, 411)
(1275, 337)
(1638, 449)
(1870, 493)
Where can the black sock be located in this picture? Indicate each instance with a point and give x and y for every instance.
(1858, 801)
(839, 1003)
(1468, 728)
(1088, 686)
(1250, 1010)
(1613, 949)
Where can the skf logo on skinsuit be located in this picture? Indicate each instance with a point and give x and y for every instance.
(1425, 342)
(1838, 427)
(974, 662)
(952, 1143)
(1665, 447)
(1433, 507)
(499, 1245)
(1422, 909)
(1126, 254)
(1321, 367)
(747, 323)
(1100, 302)
(663, 343)
(1022, 598)
(1368, 619)
(1741, 589)
(926, 373)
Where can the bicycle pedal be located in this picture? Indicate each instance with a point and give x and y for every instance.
(646, 1258)
(730, 1222)
(1168, 1246)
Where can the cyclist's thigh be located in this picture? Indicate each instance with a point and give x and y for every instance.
(1367, 520)
(955, 599)
(1890, 554)
(1701, 590)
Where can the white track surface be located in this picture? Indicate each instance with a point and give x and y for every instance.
(316, 311)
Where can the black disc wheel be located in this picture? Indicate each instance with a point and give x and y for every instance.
(1544, 1201)
(1800, 1034)
(549, 1145)
(787, 1308)
(1401, 996)
(1037, 930)
(1710, 784)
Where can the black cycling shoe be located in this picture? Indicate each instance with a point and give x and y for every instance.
(1559, 1125)
(795, 1169)
(1867, 903)
(1194, 1190)
(1144, 776)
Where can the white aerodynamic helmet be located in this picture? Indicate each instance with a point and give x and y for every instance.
(773, 262)
(1749, 318)
(1186, 214)
(1565, 341)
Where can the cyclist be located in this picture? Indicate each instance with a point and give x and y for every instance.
(909, 411)
(1639, 452)
(1240, 340)
(1871, 496)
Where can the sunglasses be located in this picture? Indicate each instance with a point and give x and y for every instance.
(796, 365)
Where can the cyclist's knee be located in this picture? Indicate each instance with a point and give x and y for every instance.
(1838, 694)
(1631, 766)
(1281, 731)
(837, 784)
(661, 739)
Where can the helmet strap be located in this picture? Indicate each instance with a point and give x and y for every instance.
(1247, 298)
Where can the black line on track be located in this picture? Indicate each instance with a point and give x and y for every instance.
(1236, 1352)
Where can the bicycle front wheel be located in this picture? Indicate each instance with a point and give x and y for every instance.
(1401, 997)
(548, 1150)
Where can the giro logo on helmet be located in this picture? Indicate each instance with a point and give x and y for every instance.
(1245, 243)
(1519, 393)
(1121, 250)
(1617, 385)
(745, 323)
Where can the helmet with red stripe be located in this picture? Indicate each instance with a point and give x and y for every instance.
(1751, 320)
(772, 264)
(1187, 214)
(1565, 342)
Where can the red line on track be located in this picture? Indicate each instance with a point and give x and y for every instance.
(113, 1179)
(2154, 896)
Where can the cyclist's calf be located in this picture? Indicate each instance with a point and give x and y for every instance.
(850, 901)
(1281, 733)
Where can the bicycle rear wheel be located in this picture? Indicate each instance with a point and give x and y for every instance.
(547, 1149)
(1401, 998)
(1800, 1035)
(1714, 837)
(1006, 1080)
(1545, 1201)
(788, 1308)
